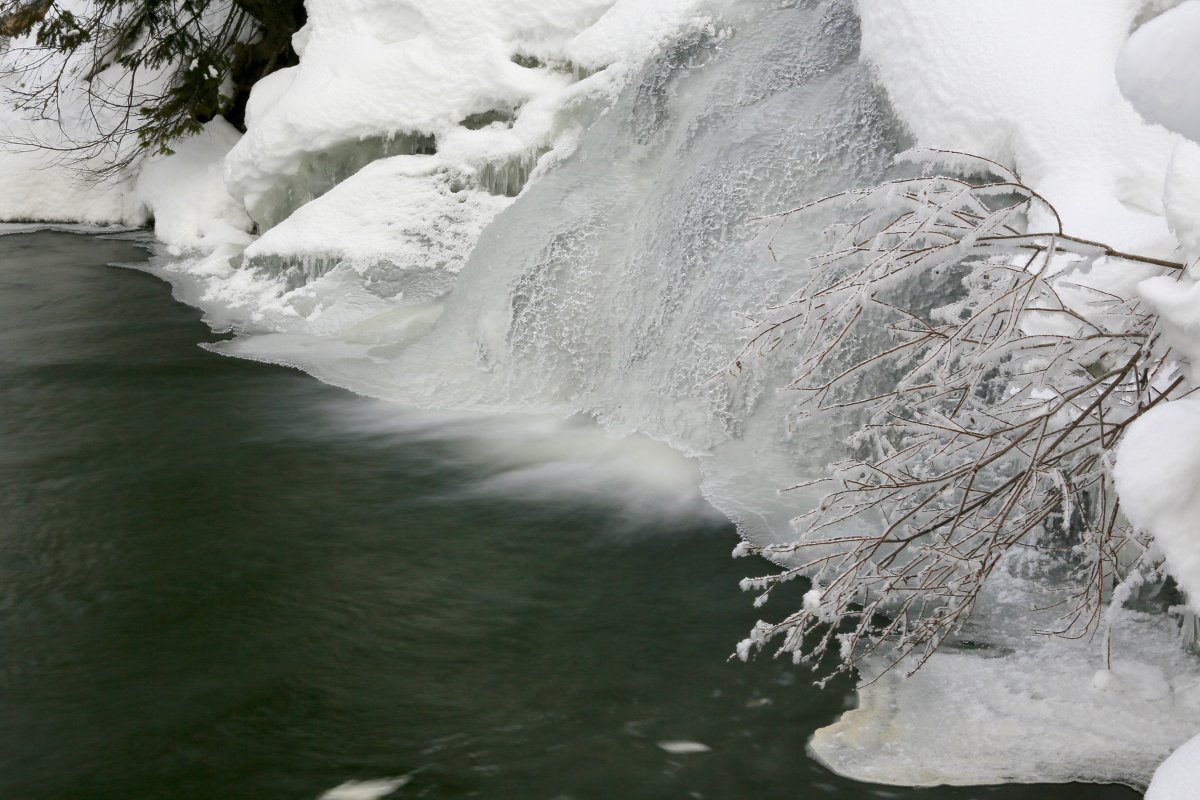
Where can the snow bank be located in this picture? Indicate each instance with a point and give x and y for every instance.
(43, 186)
(183, 194)
(62, 169)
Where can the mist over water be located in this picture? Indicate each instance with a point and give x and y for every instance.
(223, 579)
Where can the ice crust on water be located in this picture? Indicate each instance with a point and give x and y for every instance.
(1015, 711)
(364, 790)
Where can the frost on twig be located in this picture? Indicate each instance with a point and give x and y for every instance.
(990, 380)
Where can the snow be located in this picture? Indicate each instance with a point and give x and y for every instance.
(1157, 70)
(979, 83)
(1181, 196)
(184, 193)
(378, 70)
(1157, 470)
(1158, 463)
(1179, 776)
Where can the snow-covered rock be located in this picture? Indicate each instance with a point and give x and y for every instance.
(481, 82)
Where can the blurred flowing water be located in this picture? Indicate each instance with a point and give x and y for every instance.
(222, 579)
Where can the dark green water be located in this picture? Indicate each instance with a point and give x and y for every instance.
(212, 588)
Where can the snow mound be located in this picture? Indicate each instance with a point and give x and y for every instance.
(1157, 70)
(414, 216)
(185, 192)
(1030, 84)
(1178, 778)
(1158, 468)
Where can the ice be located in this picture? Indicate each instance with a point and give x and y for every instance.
(405, 224)
(679, 747)
(317, 173)
(364, 790)
(411, 74)
(1053, 712)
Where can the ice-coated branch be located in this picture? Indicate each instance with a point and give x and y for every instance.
(989, 382)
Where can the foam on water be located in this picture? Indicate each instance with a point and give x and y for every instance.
(537, 457)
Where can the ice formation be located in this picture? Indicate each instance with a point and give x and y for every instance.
(556, 208)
